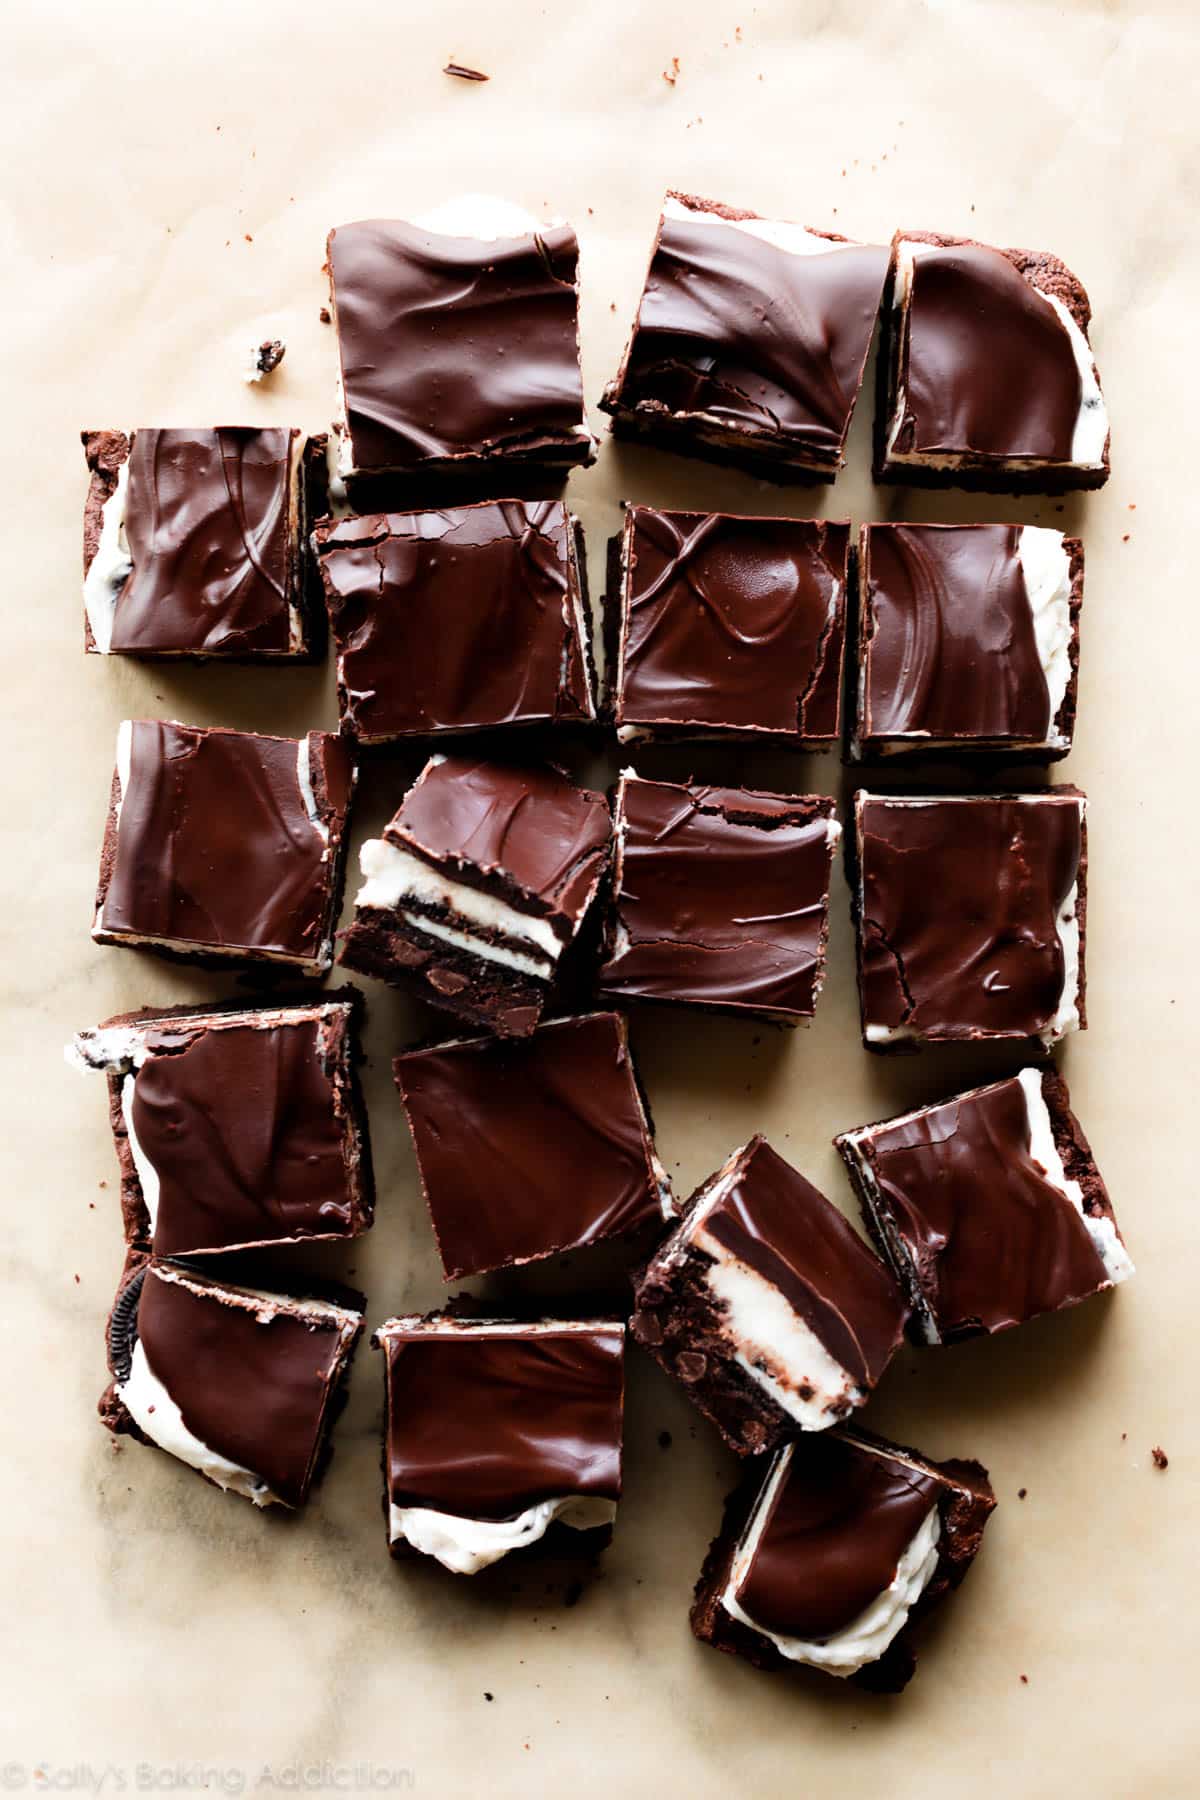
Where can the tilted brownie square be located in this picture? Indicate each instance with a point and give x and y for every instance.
(458, 339)
(833, 1557)
(528, 1147)
(750, 341)
(239, 1384)
(968, 640)
(225, 846)
(477, 887)
(986, 376)
(767, 1305)
(195, 543)
(971, 915)
(720, 898)
(457, 620)
(989, 1206)
(729, 627)
(236, 1128)
(501, 1437)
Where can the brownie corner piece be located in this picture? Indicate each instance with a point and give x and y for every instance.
(766, 1304)
(832, 1557)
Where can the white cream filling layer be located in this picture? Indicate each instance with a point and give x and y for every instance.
(110, 568)
(1118, 1265)
(153, 1410)
(483, 216)
(1091, 427)
(147, 1174)
(866, 1638)
(796, 239)
(464, 1546)
(1046, 571)
(304, 779)
(392, 875)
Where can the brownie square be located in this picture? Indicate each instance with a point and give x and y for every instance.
(720, 898)
(729, 627)
(195, 543)
(832, 1558)
(224, 846)
(239, 1384)
(532, 1146)
(750, 341)
(968, 640)
(989, 1207)
(478, 885)
(458, 342)
(457, 620)
(235, 1128)
(767, 1305)
(986, 376)
(1001, 953)
(500, 1437)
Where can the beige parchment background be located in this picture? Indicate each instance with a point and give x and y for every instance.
(171, 171)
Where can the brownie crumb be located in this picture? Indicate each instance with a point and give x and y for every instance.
(464, 74)
(488, 1696)
(1025, 1679)
(265, 358)
(664, 1440)
(573, 1594)
(1021, 1493)
(671, 73)
(1158, 1455)
(325, 315)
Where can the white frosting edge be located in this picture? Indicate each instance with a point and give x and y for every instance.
(1046, 572)
(1118, 1265)
(110, 568)
(392, 875)
(304, 780)
(147, 1174)
(151, 1407)
(464, 1546)
(782, 233)
(484, 216)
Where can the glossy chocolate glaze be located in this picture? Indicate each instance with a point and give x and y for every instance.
(838, 1526)
(215, 847)
(528, 832)
(960, 902)
(455, 619)
(530, 1146)
(733, 624)
(484, 1426)
(457, 348)
(778, 1224)
(255, 1392)
(992, 1242)
(949, 646)
(764, 341)
(211, 531)
(722, 898)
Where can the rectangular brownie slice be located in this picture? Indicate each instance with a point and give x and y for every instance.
(986, 376)
(458, 620)
(1001, 954)
(225, 846)
(767, 1305)
(750, 341)
(720, 898)
(239, 1384)
(478, 886)
(831, 1559)
(500, 1437)
(195, 543)
(528, 1147)
(967, 640)
(728, 627)
(236, 1128)
(989, 1207)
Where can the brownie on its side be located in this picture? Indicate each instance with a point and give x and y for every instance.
(750, 341)
(458, 620)
(968, 640)
(478, 885)
(500, 1437)
(728, 627)
(986, 376)
(236, 1129)
(767, 1305)
(989, 1207)
(225, 846)
(458, 343)
(833, 1558)
(240, 1385)
(971, 916)
(195, 543)
(720, 898)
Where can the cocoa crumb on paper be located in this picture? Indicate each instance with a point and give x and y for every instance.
(325, 315)
(671, 73)
(1021, 1493)
(1158, 1455)
(463, 73)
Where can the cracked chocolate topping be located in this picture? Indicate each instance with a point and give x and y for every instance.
(484, 1426)
(732, 624)
(215, 846)
(530, 1146)
(456, 348)
(838, 1525)
(722, 898)
(1001, 870)
(455, 619)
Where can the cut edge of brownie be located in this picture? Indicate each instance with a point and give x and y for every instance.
(379, 942)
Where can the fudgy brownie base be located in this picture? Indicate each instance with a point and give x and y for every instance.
(504, 1001)
(663, 431)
